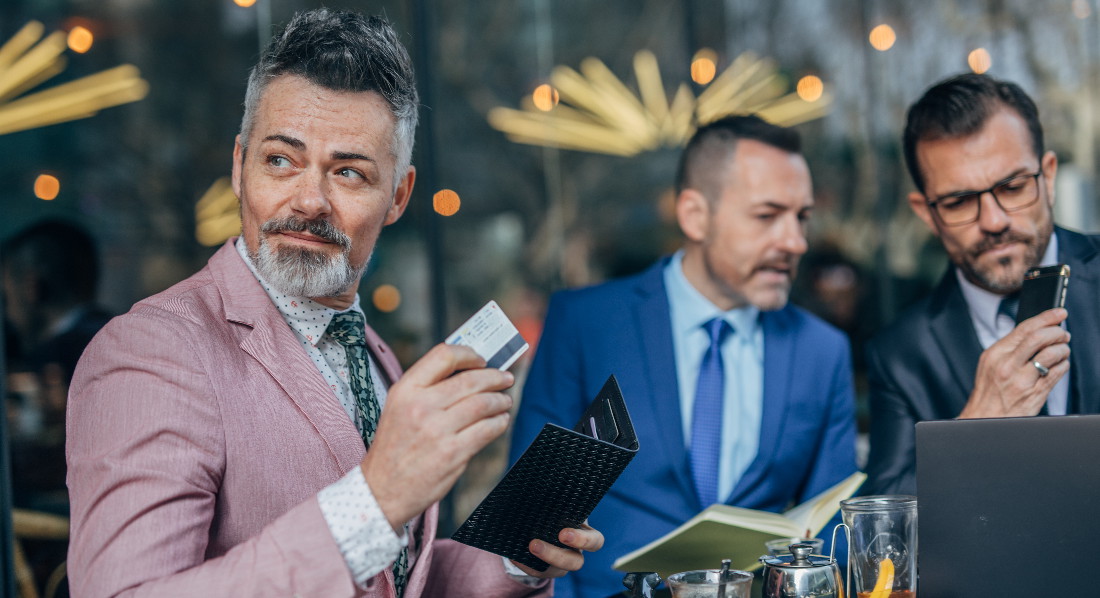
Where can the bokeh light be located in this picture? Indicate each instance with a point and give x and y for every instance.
(46, 187)
(545, 97)
(1081, 9)
(883, 37)
(704, 65)
(979, 61)
(386, 298)
(80, 39)
(244, 3)
(810, 88)
(446, 202)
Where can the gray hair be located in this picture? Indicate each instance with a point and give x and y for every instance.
(342, 51)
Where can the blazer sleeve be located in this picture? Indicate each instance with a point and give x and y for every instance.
(146, 455)
(892, 464)
(836, 453)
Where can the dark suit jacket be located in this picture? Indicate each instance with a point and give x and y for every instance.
(922, 367)
(807, 435)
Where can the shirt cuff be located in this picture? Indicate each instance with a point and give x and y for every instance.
(517, 574)
(360, 528)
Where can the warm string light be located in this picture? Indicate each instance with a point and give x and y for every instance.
(244, 3)
(47, 187)
(545, 97)
(882, 37)
(446, 202)
(704, 66)
(386, 298)
(80, 39)
(979, 61)
(810, 88)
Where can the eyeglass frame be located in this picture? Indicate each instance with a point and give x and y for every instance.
(1038, 192)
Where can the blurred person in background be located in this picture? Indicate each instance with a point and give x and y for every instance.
(985, 187)
(244, 433)
(737, 397)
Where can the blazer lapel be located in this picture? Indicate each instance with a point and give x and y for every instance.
(953, 331)
(662, 402)
(1079, 251)
(779, 365)
(268, 341)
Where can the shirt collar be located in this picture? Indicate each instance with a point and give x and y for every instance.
(690, 309)
(984, 304)
(307, 317)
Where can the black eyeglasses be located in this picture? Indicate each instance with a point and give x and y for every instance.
(1012, 194)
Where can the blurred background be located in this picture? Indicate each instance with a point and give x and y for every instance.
(548, 144)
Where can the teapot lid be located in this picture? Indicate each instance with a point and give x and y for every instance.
(799, 557)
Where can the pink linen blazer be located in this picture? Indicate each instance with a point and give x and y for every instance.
(199, 433)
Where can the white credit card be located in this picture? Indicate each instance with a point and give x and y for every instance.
(492, 336)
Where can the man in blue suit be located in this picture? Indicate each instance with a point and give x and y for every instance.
(736, 396)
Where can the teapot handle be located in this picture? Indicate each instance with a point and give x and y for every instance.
(832, 553)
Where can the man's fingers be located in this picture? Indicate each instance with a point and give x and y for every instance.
(440, 362)
(559, 559)
(582, 538)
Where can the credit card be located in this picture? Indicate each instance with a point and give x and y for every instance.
(492, 336)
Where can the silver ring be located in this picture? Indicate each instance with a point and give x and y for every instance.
(1043, 370)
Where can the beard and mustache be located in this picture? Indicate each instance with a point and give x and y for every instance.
(1004, 280)
(300, 272)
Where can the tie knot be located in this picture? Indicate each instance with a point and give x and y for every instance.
(348, 329)
(1010, 305)
(717, 329)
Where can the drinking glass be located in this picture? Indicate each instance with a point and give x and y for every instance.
(704, 584)
(883, 527)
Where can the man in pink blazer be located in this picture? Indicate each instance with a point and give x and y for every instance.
(216, 432)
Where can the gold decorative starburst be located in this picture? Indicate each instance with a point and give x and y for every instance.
(26, 62)
(217, 214)
(598, 113)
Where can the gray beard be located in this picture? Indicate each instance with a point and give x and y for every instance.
(304, 273)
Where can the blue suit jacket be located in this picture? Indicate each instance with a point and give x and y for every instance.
(807, 436)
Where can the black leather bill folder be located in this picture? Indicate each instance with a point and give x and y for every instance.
(556, 483)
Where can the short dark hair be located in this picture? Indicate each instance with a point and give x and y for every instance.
(62, 258)
(712, 144)
(960, 106)
(342, 51)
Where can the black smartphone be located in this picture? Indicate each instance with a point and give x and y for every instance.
(1043, 289)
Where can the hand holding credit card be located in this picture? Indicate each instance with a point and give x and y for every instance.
(492, 336)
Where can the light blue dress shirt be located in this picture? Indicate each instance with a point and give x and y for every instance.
(742, 365)
(992, 326)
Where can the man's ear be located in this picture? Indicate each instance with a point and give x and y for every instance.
(1049, 165)
(238, 163)
(693, 213)
(401, 196)
(923, 211)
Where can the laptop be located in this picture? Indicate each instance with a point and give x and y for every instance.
(1008, 507)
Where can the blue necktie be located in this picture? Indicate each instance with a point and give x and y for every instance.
(706, 416)
(349, 329)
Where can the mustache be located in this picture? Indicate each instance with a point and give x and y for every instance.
(990, 241)
(319, 228)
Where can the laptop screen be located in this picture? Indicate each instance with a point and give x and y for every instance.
(1008, 507)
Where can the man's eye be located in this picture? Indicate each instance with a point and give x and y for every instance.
(278, 161)
(349, 173)
(957, 202)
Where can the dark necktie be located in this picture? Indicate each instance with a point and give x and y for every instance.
(706, 416)
(349, 329)
(1010, 306)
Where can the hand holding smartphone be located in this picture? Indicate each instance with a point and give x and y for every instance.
(1043, 288)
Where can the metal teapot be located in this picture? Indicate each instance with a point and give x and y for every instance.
(802, 575)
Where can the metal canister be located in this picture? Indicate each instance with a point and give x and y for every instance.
(802, 575)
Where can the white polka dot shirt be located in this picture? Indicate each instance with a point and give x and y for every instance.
(364, 536)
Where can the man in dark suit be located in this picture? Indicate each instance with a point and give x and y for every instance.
(778, 428)
(985, 187)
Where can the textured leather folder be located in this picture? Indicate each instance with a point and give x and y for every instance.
(556, 483)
